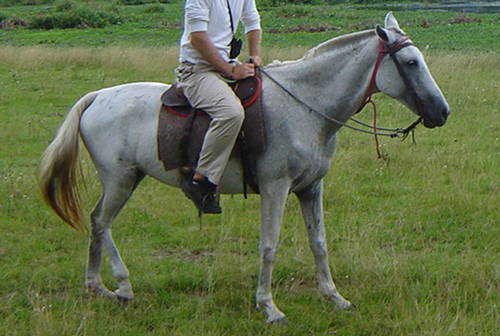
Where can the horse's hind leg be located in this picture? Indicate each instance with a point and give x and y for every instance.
(118, 187)
(311, 202)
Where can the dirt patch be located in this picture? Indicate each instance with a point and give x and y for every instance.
(363, 25)
(186, 255)
(425, 24)
(12, 23)
(463, 19)
(234, 240)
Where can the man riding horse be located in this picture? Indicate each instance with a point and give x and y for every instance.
(207, 52)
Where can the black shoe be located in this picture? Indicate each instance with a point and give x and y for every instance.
(203, 195)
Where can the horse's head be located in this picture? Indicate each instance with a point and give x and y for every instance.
(404, 75)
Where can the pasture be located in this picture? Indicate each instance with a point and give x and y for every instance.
(413, 240)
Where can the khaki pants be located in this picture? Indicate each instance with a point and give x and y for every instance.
(206, 89)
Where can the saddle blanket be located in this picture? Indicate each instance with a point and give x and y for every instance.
(181, 128)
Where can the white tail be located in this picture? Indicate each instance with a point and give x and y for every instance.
(58, 170)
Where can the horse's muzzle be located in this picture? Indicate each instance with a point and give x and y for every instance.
(438, 119)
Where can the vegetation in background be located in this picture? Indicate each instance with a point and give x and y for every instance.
(24, 2)
(156, 24)
(75, 17)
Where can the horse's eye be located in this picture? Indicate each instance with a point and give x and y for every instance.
(412, 63)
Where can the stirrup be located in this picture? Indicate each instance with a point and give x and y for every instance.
(203, 195)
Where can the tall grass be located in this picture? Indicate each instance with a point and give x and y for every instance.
(413, 241)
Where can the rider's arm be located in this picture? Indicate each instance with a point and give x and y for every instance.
(254, 40)
(251, 21)
(203, 44)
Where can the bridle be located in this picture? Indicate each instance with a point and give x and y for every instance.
(384, 49)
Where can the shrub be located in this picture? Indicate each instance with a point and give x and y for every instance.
(7, 3)
(65, 6)
(81, 17)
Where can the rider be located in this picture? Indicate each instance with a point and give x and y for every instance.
(203, 75)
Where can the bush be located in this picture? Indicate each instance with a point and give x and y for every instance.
(7, 3)
(81, 17)
(65, 6)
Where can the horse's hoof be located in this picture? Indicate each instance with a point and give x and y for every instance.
(341, 303)
(123, 298)
(100, 291)
(345, 306)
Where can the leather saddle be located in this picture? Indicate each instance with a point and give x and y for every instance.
(182, 128)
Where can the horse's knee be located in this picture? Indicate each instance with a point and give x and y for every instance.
(268, 255)
(97, 227)
(319, 248)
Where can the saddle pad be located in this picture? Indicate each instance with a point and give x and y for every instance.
(172, 137)
(177, 148)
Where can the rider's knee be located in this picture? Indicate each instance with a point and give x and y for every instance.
(235, 115)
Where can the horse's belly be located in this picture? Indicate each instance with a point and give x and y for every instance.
(231, 183)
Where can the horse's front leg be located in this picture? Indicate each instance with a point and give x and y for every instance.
(273, 199)
(311, 202)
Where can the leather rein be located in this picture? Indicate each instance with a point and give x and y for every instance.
(383, 50)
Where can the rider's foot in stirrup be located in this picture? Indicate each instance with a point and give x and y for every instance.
(203, 194)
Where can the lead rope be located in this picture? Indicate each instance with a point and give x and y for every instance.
(375, 135)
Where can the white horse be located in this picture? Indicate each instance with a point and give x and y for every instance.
(118, 126)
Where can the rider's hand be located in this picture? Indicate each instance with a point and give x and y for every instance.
(243, 70)
(255, 60)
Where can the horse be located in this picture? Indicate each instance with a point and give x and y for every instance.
(306, 102)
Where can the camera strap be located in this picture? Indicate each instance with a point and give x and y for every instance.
(235, 45)
(230, 18)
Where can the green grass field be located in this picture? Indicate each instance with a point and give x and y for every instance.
(413, 240)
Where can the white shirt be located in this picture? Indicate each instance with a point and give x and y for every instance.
(212, 16)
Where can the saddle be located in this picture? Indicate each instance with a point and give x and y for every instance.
(182, 128)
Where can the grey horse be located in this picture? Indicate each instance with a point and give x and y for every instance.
(118, 126)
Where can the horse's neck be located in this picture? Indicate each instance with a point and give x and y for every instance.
(333, 77)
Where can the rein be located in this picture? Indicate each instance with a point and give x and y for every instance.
(384, 49)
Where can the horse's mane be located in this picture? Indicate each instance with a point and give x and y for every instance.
(327, 46)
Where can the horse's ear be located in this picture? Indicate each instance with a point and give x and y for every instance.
(382, 33)
(391, 22)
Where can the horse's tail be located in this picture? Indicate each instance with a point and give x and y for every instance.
(59, 167)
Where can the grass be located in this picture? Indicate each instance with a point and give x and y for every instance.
(413, 241)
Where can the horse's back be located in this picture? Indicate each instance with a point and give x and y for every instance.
(119, 128)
